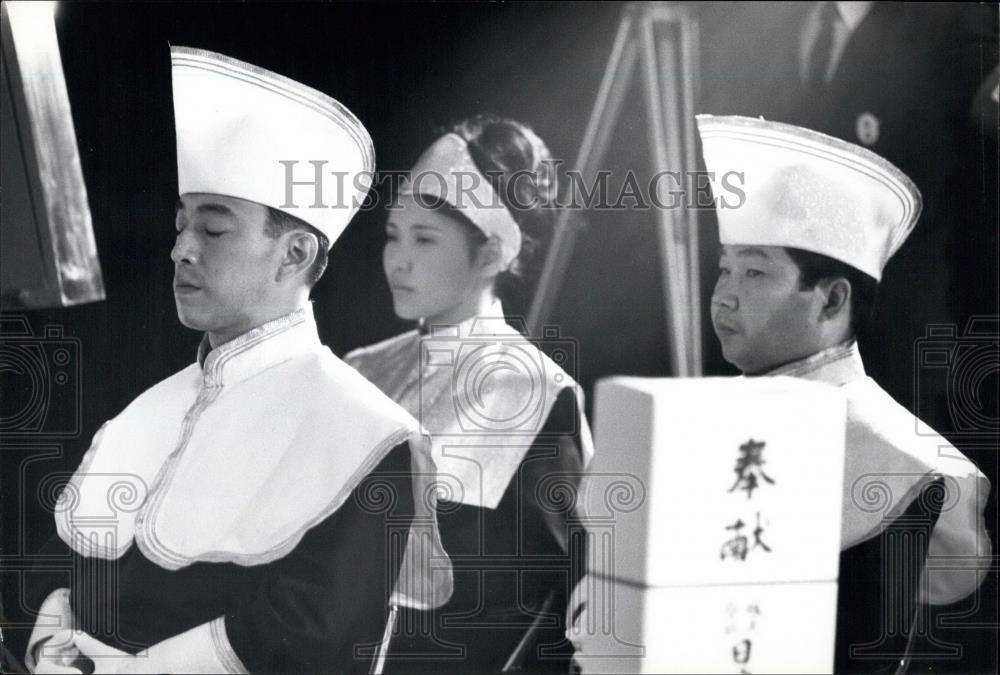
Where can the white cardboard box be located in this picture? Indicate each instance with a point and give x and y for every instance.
(705, 497)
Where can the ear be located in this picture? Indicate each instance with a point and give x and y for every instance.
(489, 257)
(836, 297)
(301, 249)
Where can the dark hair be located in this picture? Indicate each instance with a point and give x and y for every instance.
(814, 267)
(279, 222)
(520, 168)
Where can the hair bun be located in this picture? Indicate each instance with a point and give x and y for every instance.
(512, 156)
(521, 170)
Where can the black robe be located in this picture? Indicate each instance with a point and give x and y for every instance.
(514, 568)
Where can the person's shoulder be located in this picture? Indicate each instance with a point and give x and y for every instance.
(557, 370)
(951, 20)
(954, 13)
(182, 384)
(877, 420)
(382, 349)
(183, 378)
(335, 385)
(872, 405)
(528, 369)
(168, 399)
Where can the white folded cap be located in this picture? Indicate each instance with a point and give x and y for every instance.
(807, 190)
(447, 171)
(246, 132)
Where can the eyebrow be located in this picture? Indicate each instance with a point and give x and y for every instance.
(749, 252)
(218, 209)
(415, 226)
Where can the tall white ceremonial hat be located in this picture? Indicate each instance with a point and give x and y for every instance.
(446, 171)
(246, 132)
(807, 190)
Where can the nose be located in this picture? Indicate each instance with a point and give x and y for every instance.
(724, 295)
(184, 250)
(396, 258)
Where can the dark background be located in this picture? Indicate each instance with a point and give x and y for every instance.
(407, 71)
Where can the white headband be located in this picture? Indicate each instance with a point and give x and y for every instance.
(446, 171)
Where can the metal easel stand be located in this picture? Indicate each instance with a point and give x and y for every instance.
(664, 36)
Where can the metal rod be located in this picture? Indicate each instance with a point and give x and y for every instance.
(595, 142)
(690, 67)
(672, 262)
(672, 126)
(378, 665)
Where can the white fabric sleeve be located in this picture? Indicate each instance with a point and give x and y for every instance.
(53, 616)
(202, 649)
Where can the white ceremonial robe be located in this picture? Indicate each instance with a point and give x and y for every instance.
(230, 483)
(482, 391)
(890, 457)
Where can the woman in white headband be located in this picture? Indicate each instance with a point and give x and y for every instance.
(509, 436)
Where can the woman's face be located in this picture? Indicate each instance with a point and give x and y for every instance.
(428, 264)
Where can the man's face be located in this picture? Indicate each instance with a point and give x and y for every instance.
(224, 265)
(761, 316)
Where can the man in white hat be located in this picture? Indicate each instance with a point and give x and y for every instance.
(798, 271)
(247, 513)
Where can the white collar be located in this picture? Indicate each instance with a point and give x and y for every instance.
(258, 349)
(836, 365)
(489, 323)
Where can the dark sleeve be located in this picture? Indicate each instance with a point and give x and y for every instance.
(324, 606)
(880, 586)
(553, 540)
(51, 568)
(549, 478)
